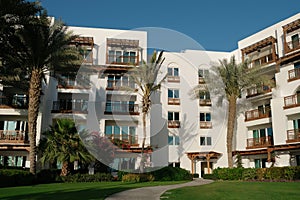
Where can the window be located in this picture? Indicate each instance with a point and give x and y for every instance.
(295, 41)
(125, 133)
(205, 117)
(173, 140)
(205, 141)
(173, 93)
(115, 81)
(204, 95)
(173, 116)
(260, 163)
(173, 71)
(203, 73)
(122, 56)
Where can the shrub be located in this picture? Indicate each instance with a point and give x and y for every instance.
(172, 174)
(98, 177)
(136, 178)
(249, 174)
(195, 175)
(209, 176)
(48, 176)
(15, 177)
(228, 173)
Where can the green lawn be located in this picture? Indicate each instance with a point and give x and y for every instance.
(74, 191)
(238, 190)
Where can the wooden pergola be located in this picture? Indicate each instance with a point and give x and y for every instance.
(193, 156)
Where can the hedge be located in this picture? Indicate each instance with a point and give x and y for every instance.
(260, 174)
(15, 177)
(171, 174)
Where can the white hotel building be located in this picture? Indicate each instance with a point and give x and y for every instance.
(185, 132)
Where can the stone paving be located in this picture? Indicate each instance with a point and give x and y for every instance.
(153, 193)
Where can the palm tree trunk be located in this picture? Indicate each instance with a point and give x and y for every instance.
(143, 143)
(65, 170)
(33, 110)
(230, 128)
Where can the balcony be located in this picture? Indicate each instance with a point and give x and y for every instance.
(124, 108)
(13, 137)
(257, 114)
(173, 124)
(119, 85)
(258, 91)
(125, 138)
(261, 142)
(293, 135)
(17, 101)
(69, 83)
(201, 80)
(205, 125)
(294, 74)
(264, 60)
(173, 101)
(122, 60)
(204, 102)
(291, 101)
(173, 79)
(70, 107)
(292, 46)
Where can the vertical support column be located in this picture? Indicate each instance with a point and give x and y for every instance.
(285, 46)
(208, 163)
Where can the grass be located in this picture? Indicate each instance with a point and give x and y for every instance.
(237, 190)
(74, 191)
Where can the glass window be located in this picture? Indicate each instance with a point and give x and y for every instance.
(170, 93)
(176, 93)
(177, 140)
(208, 117)
(205, 117)
(170, 116)
(118, 56)
(173, 93)
(176, 116)
(132, 57)
(202, 141)
(170, 71)
(117, 130)
(208, 140)
(108, 130)
(257, 163)
(170, 140)
(176, 71)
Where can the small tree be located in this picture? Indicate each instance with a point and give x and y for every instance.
(63, 144)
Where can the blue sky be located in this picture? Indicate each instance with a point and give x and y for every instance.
(214, 24)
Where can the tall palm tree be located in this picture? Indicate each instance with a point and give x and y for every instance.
(62, 143)
(235, 79)
(145, 77)
(40, 46)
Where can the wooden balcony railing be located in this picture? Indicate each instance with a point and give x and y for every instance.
(292, 46)
(264, 60)
(205, 102)
(205, 125)
(173, 124)
(118, 85)
(122, 60)
(293, 135)
(125, 138)
(121, 108)
(73, 84)
(173, 101)
(294, 74)
(174, 79)
(291, 101)
(252, 92)
(13, 136)
(257, 114)
(69, 107)
(201, 80)
(259, 142)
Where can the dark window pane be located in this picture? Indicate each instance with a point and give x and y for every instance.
(202, 141)
(176, 116)
(170, 116)
(208, 140)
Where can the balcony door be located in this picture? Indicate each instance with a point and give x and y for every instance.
(295, 41)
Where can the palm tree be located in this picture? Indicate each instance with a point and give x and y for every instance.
(40, 46)
(235, 78)
(62, 143)
(145, 77)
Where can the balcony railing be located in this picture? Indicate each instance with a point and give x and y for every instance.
(293, 135)
(118, 85)
(125, 138)
(69, 107)
(205, 125)
(121, 108)
(264, 60)
(205, 102)
(259, 142)
(15, 102)
(257, 114)
(73, 84)
(258, 91)
(173, 124)
(173, 101)
(13, 136)
(291, 101)
(122, 60)
(294, 74)
(292, 46)
(201, 80)
(174, 79)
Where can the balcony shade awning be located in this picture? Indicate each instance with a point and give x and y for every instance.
(258, 45)
(203, 155)
(290, 27)
(88, 41)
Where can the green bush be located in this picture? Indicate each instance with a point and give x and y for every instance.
(136, 178)
(195, 175)
(228, 173)
(48, 176)
(209, 176)
(249, 174)
(15, 177)
(172, 174)
(98, 177)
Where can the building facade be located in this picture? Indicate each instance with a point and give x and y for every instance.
(185, 129)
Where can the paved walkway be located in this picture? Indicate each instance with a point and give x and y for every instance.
(153, 193)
